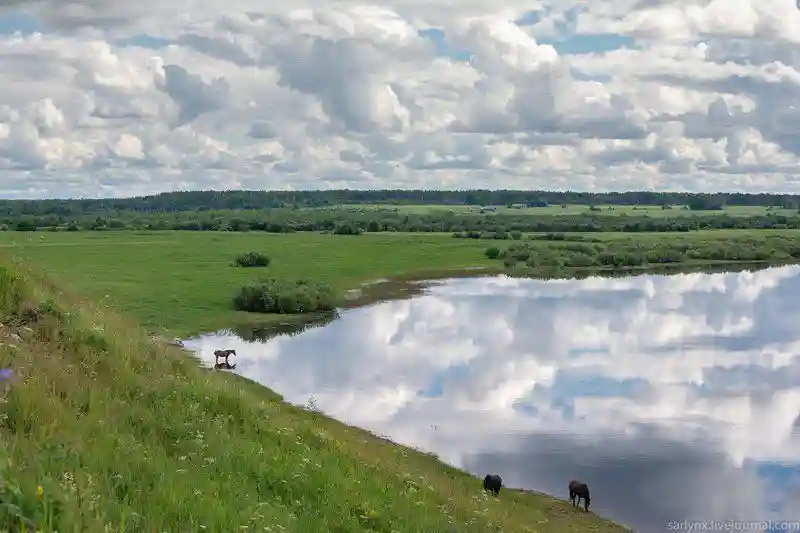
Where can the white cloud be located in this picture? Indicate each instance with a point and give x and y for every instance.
(699, 371)
(137, 97)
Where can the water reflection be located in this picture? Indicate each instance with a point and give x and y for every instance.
(673, 397)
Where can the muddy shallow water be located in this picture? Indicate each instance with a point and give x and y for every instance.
(674, 397)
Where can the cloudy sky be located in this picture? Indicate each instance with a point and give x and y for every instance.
(116, 97)
(655, 390)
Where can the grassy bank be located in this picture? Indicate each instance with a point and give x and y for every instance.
(184, 281)
(103, 430)
(181, 283)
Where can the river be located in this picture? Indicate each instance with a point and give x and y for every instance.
(674, 397)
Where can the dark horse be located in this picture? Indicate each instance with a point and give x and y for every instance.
(224, 366)
(493, 483)
(579, 490)
(223, 353)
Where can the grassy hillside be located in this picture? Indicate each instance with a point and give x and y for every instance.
(103, 430)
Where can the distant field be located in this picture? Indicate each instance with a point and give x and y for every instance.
(570, 209)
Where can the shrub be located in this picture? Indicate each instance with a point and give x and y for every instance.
(286, 297)
(493, 252)
(251, 259)
(347, 229)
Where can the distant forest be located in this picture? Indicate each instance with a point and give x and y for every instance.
(256, 200)
(287, 211)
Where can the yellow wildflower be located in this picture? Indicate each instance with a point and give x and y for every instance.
(39, 491)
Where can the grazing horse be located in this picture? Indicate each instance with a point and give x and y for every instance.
(579, 490)
(224, 366)
(493, 483)
(223, 353)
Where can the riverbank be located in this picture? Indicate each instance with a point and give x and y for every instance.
(177, 284)
(104, 430)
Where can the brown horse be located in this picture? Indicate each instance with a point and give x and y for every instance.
(224, 354)
(579, 490)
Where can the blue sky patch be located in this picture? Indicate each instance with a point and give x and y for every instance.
(434, 388)
(574, 384)
(567, 43)
(782, 487)
(144, 41)
(597, 43)
(18, 23)
(577, 352)
(443, 49)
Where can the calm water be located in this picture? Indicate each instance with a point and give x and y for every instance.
(673, 397)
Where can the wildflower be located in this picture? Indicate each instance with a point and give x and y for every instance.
(6, 374)
(39, 491)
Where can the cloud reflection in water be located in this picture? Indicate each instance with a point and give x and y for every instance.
(673, 397)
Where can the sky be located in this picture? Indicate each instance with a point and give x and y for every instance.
(655, 390)
(125, 98)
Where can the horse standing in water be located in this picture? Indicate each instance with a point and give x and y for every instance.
(224, 354)
(579, 490)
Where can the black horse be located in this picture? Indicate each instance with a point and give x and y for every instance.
(579, 490)
(224, 366)
(493, 483)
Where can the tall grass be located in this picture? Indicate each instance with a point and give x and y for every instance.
(103, 430)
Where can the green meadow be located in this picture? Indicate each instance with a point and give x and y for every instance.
(182, 283)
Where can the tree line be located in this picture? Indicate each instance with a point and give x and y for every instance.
(356, 221)
(183, 201)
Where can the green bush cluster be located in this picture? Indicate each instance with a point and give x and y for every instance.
(286, 297)
(251, 259)
(636, 253)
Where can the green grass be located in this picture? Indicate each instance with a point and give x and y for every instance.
(182, 283)
(570, 209)
(105, 430)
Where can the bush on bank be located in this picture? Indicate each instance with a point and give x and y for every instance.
(286, 297)
(251, 259)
